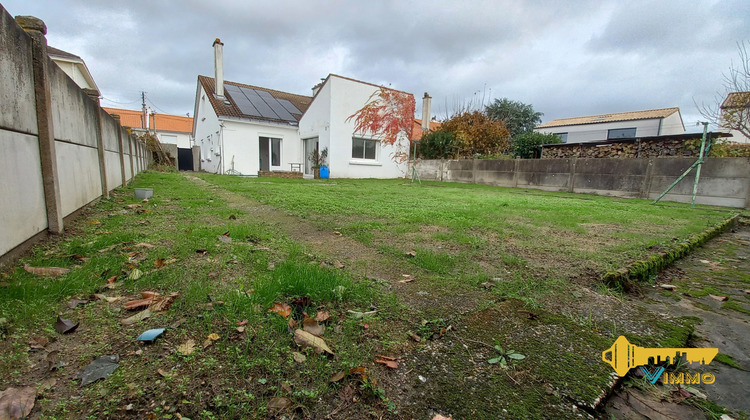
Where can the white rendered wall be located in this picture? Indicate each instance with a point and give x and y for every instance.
(207, 132)
(241, 141)
(585, 133)
(347, 97)
(316, 120)
(182, 140)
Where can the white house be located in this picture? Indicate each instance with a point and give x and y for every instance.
(245, 129)
(169, 129)
(735, 110)
(653, 122)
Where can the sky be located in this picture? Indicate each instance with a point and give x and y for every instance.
(566, 58)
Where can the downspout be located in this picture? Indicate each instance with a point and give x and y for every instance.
(658, 131)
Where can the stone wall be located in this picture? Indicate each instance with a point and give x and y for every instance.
(636, 148)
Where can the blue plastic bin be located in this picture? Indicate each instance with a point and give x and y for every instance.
(324, 172)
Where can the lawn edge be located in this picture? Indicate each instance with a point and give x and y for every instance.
(640, 271)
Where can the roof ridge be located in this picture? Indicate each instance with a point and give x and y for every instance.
(368, 83)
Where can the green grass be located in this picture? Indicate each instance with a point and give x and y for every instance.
(727, 360)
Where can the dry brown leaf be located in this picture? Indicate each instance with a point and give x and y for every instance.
(338, 264)
(411, 253)
(719, 298)
(109, 248)
(361, 371)
(337, 233)
(207, 343)
(111, 279)
(17, 403)
(441, 417)
(187, 348)
(224, 238)
(388, 361)
(279, 403)
(282, 309)
(163, 372)
(298, 357)
(46, 271)
(94, 222)
(140, 316)
(138, 303)
(162, 303)
(337, 377)
(133, 206)
(159, 263)
(240, 329)
(322, 316)
(64, 326)
(415, 337)
(407, 278)
(305, 339)
(311, 325)
(145, 245)
(38, 343)
(213, 337)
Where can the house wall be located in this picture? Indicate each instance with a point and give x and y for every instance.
(240, 140)
(597, 132)
(73, 71)
(75, 160)
(182, 140)
(207, 132)
(347, 97)
(723, 182)
(316, 121)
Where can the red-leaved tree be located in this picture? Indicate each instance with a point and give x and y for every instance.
(387, 116)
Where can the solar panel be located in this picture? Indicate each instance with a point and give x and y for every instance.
(275, 106)
(259, 104)
(289, 106)
(241, 101)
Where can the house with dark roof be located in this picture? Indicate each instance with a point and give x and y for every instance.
(621, 125)
(76, 69)
(244, 129)
(735, 116)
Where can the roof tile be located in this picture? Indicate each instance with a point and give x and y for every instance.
(607, 118)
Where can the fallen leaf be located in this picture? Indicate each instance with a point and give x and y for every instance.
(207, 343)
(145, 245)
(74, 303)
(232, 217)
(109, 299)
(17, 403)
(46, 271)
(279, 403)
(163, 372)
(38, 343)
(407, 278)
(240, 329)
(94, 222)
(241, 323)
(224, 238)
(338, 264)
(201, 251)
(100, 368)
(282, 309)
(388, 361)
(135, 274)
(52, 362)
(337, 233)
(138, 303)
(187, 348)
(298, 357)
(133, 206)
(111, 279)
(134, 254)
(668, 286)
(415, 337)
(361, 371)
(322, 316)
(64, 326)
(337, 377)
(162, 303)
(271, 266)
(305, 339)
(411, 253)
(140, 316)
(109, 248)
(213, 337)
(79, 258)
(720, 298)
(747, 292)
(159, 263)
(440, 417)
(311, 325)
(488, 285)
(360, 315)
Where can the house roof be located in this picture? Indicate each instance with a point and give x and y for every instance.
(607, 118)
(416, 128)
(736, 100)
(164, 122)
(223, 109)
(52, 51)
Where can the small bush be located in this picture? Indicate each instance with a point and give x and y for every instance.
(437, 145)
(529, 145)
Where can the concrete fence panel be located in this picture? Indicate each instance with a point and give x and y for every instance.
(723, 182)
(17, 109)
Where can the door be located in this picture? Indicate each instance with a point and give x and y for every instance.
(264, 161)
(310, 146)
(185, 159)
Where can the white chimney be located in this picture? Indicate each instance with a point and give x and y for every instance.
(219, 68)
(426, 111)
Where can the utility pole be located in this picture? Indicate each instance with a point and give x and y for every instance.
(143, 109)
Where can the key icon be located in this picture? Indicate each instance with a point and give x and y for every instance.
(623, 355)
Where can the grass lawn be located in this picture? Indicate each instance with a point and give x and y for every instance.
(491, 266)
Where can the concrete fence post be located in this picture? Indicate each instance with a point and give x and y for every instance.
(474, 170)
(130, 149)
(120, 150)
(572, 176)
(646, 184)
(100, 150)
(516, 170)
(37, 30)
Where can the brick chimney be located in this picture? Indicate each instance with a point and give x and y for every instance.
(219, 68)
(426, 111)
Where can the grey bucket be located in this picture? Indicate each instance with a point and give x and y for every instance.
(142, 193)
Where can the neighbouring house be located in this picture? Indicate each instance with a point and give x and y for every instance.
(245, 129)
(652, 122)
(735, 110)
(169, 129)
(76, 69)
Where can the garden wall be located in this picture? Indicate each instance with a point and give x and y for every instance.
(58, 149)
(723, 182)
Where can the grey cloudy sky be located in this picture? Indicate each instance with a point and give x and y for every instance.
(567, 58)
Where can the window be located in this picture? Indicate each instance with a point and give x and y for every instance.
(563, 137)
(621, 133)
(275, 152)
(364, 148)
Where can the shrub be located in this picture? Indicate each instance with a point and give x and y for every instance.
(437, 145)
(528, 145)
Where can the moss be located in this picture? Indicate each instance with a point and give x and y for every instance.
(727, 360)
(735, 306)
(641, 271)
(677, 331)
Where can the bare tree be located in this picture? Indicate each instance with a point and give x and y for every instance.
(731, 110)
